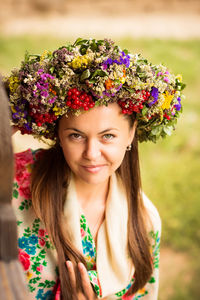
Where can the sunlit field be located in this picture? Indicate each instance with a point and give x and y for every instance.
(171, 168)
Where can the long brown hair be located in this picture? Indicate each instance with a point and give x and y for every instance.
(50, 179)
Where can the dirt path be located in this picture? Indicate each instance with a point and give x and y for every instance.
(140, 25)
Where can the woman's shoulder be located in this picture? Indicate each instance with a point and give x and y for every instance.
(152, 212)
(27, 157)
(24, 162)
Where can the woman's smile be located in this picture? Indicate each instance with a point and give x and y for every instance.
(94, 168)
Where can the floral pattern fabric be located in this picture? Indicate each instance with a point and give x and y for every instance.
(38, 256)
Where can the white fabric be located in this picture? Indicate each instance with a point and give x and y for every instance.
(114, 266)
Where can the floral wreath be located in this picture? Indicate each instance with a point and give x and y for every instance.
(88, 73)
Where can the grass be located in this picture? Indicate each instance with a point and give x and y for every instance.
(170, 169)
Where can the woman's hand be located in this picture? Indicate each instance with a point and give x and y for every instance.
(88, 290)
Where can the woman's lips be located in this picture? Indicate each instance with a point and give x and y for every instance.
(93, 169)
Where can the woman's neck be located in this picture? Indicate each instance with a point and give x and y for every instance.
(91, 194)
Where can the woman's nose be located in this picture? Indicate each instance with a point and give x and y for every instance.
(92, 150)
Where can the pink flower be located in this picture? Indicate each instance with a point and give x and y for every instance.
(41, 232)
(42, 242)
(24, 258)
(82, 233)
(23, 178)
(95, 280)
(23, 158)
(56, 290)
(125, 297)
(40, 268)
(25, 192)
(166, 79)
(22, 161)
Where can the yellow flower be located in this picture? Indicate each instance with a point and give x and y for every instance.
(13, 83)
(141, 291)
(122, 80)
(179, 77)
(29, 275)
(44, 54)
(80, 62)
(168, 100)
(57, 110)
(13, 109)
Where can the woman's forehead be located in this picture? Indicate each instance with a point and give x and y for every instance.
(99, 118)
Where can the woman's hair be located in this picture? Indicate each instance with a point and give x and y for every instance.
(50, 179)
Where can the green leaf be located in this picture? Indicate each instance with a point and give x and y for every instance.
(156, 130)
(98, 72)
(129, 89)
(44, 263)
(15, 194)
(78, 41)
(168, 130)
(41, 284)
(126, 51)
(152, 280)
(85, 75)
(15, 185)
(52, 69)
(94, 46)
(83, 50)
(144, 110)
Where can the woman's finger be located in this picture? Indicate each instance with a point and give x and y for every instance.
(72, 275)
(87, 288)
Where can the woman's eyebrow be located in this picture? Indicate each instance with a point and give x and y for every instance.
(77, 130)
(74, 129)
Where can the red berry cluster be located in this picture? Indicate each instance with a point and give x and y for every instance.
(77, 99)
(128, 107)
(143, 95)
(39, 118)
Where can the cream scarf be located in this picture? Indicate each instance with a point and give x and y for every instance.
(114, 266)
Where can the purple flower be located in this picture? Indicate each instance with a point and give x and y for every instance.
(15, 116)
(108, 94)
(119, 87)
(178, 106)
(124, 59)
(52, 100)
(27, 127)
(40, 71)
(154, 94)
(44, 93)
(159, 74)
(107, 62)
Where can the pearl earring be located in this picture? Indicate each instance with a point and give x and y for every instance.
(128, 148)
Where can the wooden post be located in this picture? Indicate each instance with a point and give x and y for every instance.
(12, 281)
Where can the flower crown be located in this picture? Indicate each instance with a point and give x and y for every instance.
(90, 73)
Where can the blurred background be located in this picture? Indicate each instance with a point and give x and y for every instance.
(164, 32)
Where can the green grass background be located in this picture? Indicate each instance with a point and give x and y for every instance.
(170, 168)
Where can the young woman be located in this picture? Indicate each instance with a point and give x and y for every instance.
(86, 229)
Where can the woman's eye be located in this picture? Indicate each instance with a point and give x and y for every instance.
(108, 136)
(75, 136)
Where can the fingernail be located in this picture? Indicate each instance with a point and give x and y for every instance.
(81, 265)
(68, 263)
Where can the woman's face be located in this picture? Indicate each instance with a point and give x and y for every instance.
(94, 143)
